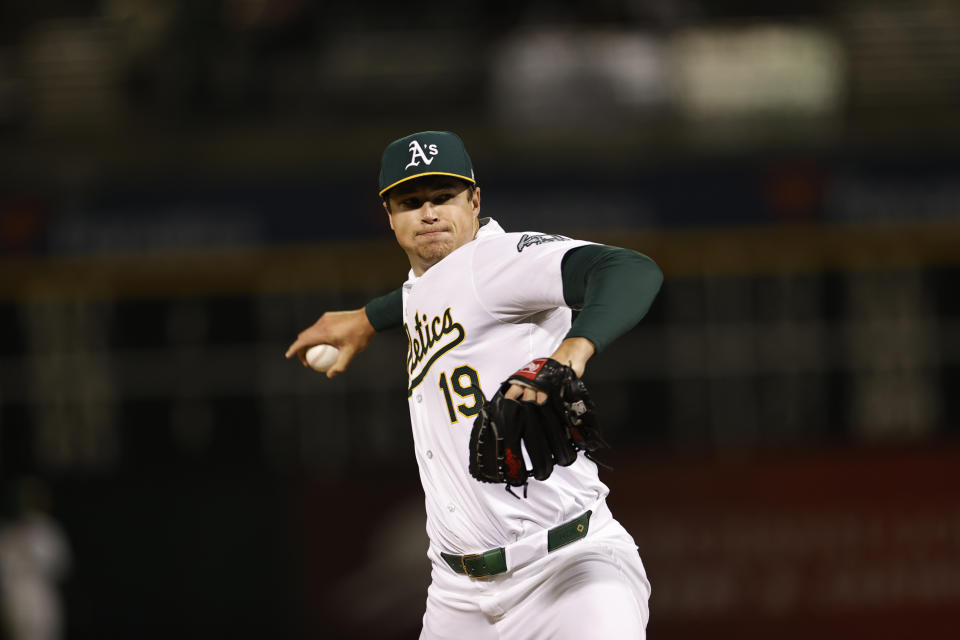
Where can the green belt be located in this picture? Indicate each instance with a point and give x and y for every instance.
(494, 561)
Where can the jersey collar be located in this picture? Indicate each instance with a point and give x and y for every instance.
(488, 227)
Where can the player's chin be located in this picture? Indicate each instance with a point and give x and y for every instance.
(434, 251)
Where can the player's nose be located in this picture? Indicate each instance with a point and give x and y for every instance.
(428, 212)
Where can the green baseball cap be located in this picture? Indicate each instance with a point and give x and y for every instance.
(428, 153)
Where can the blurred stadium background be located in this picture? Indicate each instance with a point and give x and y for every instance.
(184, 185)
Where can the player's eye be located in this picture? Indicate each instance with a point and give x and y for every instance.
(441, 198)
(411, 203)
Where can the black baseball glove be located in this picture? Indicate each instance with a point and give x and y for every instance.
(552, 433)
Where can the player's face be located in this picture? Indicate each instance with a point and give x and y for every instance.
(431, 217)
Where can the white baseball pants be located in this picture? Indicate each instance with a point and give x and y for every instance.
(592, 588)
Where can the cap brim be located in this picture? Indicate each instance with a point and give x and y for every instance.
(428, 173)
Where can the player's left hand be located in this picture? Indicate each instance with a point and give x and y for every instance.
(551, 432)
(573, 352)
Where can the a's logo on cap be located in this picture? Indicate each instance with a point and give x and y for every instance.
(417, 153)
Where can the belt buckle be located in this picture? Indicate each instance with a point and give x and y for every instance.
(463, 563)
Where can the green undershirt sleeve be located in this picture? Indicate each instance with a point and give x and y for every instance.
(386, 312)
(614, 287)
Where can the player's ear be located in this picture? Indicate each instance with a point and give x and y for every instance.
(386, 207)
(476, 200)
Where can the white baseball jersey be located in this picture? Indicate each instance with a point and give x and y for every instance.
(472, 319)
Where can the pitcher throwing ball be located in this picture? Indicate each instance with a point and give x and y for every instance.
(522, 543)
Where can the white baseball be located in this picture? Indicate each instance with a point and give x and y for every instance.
(322, 356)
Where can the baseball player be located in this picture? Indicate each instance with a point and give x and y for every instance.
(494, 366)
